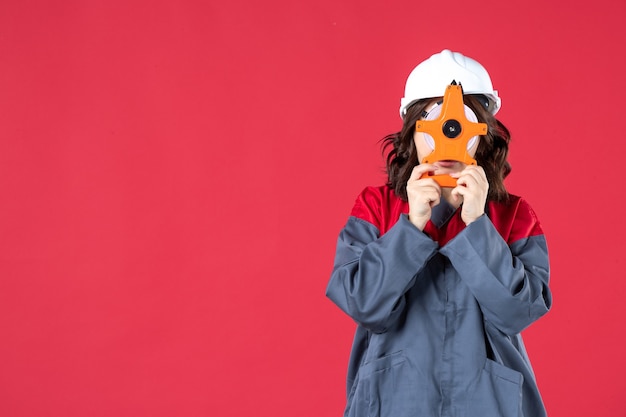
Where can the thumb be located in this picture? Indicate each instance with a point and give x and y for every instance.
(456, 194)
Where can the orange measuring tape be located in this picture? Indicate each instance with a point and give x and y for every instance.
(451, 132)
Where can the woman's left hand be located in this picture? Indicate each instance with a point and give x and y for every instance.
(472, 187)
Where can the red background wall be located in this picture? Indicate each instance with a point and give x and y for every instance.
(173, 176)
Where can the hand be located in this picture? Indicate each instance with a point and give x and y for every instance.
(423, 194)
(472, 187)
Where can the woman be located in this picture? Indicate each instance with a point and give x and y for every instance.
(442, 280)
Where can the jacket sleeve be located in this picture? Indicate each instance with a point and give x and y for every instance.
(509, 280)
(371, 274)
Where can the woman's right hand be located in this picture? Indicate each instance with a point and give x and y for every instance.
(423, 194)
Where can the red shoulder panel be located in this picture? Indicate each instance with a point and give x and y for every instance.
(379, 206)
(515, 219)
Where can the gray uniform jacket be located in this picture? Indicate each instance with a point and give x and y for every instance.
(440, 312)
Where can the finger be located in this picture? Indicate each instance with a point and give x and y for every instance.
(467, 180)
(470, 168)
(472, 177)
(425, 188)
(456, 195)
(459, 191)
(433, 195)
(476, 172)
(420, 170)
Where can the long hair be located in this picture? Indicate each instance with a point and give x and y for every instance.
(492, 152)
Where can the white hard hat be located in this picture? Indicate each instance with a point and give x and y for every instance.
(431, 77)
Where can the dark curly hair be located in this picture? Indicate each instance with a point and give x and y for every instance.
(491, 154)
